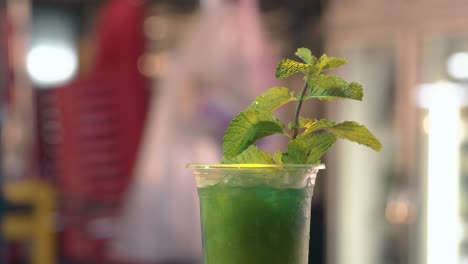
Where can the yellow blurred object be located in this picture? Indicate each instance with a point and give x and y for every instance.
(37, 226)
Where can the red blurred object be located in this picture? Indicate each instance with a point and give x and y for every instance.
(101, 122)
(7, 75)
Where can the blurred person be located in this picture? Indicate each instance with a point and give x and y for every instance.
(101, 121)
(221, 64)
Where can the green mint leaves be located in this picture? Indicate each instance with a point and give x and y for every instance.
(252, 154)
(289, 67)
(352, 131)
(307, 149)
(248, 127)
(309, 138)
(306, 56)
(327, 63)
(331, 87)
(272, 99)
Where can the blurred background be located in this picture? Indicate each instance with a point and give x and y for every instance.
(102, 103)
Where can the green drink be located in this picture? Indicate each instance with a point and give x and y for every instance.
(255, 206)
(255, 215)
(255, 224)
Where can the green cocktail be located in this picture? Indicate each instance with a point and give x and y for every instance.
(255, 206)
(254, 215)
(255, 224)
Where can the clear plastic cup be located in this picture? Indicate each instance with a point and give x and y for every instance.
(255, 213)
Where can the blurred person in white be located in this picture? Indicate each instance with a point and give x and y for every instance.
(220, 65)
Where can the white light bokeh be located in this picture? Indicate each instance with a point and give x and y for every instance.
(457, 65)
(443, 230)
(51, 65)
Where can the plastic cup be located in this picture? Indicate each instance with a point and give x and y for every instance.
(255, 213)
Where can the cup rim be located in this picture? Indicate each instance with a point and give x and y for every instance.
(208, 166)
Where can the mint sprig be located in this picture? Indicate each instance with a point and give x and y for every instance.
(309, 139)
(248, 127)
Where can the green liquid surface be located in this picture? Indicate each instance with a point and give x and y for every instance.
(255, 225)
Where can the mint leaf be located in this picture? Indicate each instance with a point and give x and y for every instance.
(289, 67)
(326, 63)
(306, 55)
(252, 155)
(307, 149)
(246, 128)
(272, 99)
(346, 130)
(314, 125)
(353, 131)
(277, 157)
(329, 87)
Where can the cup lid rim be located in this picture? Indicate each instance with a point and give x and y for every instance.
(207, 166)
